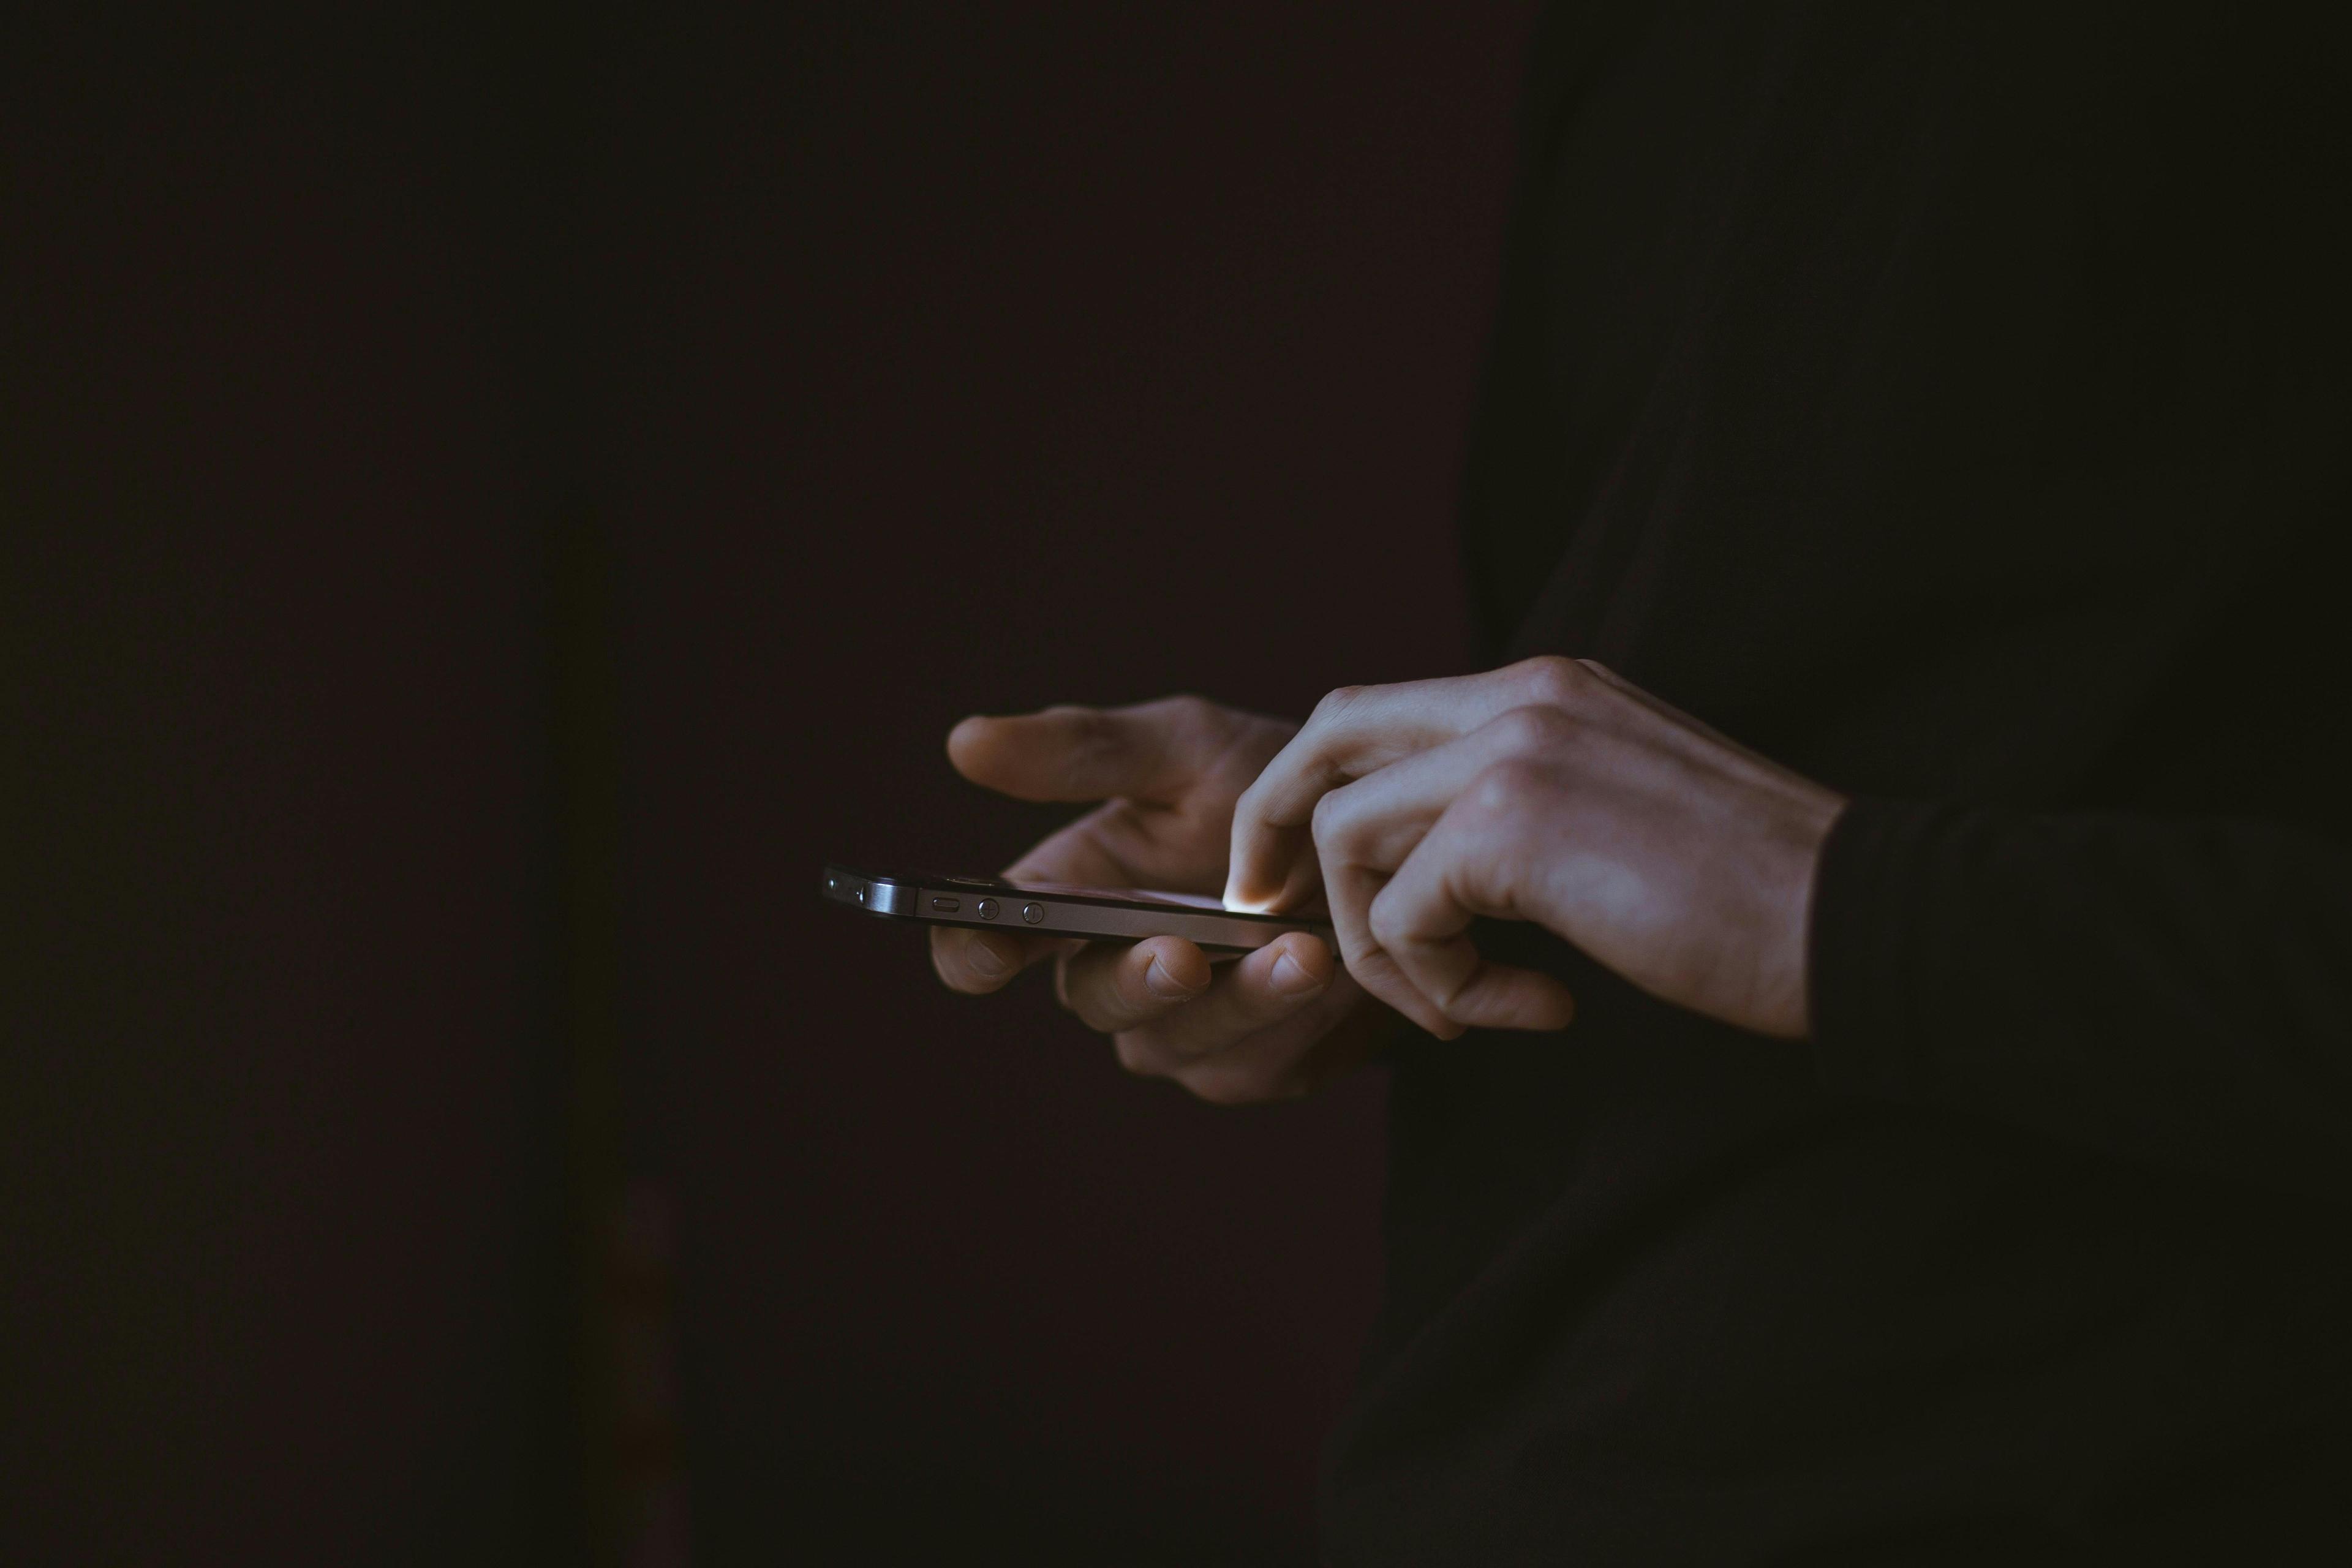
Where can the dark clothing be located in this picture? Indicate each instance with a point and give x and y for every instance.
(1952, 405)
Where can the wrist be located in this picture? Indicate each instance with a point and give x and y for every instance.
(1789, 1011)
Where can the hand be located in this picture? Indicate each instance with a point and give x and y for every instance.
(1550, 791)
(1271, 1025)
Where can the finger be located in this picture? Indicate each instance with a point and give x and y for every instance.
(1151, 752)
(1351, 889)
(1350, 886)
(1356, 730)
(1330, 1036)
(1422, 920)
(979, 962)
(1364, 831)
(1369, 963)
(1268, 988)
(1113, 988)
(1371, 966)
(1378, 820)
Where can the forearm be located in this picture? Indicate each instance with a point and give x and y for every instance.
(2173, 990)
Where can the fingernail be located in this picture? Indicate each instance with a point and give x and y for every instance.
(985, 960)
(1164, 985)
(1290, 977)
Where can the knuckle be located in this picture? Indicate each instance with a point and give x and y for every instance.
(1190, 711)
(1136, 1056)
(950, 962)
(1231, 1086)
(1089, 734)
(1336, 701)
(1535, 728)
(1447, 992)
(1333, 826)
(1385, 921)
(1554, 679)
(1504, 789)
(1184, 1047)
(1363, 957)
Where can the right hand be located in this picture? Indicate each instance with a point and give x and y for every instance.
(1270, 1025)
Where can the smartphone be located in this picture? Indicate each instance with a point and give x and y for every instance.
(1050, 908)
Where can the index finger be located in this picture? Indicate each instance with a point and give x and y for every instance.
(978, 961)
(1150, 752)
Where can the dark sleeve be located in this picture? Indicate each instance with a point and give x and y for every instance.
(2176, 991)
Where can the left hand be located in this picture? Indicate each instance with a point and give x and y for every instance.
(1549, 791)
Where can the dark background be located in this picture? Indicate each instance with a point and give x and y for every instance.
(490, 503)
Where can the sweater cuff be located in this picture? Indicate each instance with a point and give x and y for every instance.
(1863, 931)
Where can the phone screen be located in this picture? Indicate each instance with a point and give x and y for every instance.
(1104, 895)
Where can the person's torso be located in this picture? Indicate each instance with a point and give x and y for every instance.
(1940, 404)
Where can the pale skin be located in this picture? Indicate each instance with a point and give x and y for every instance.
(1549, 791)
